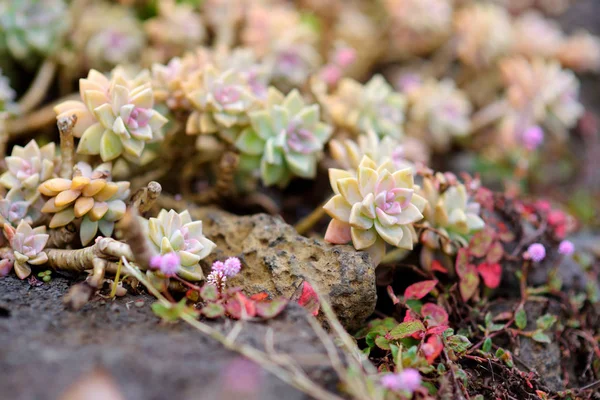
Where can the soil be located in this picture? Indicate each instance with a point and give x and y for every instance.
(46, 348)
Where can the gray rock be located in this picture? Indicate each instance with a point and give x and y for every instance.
(276, 260)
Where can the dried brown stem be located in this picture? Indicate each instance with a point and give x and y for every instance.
(144, 198)
(3, 139)
(135, 238)
(38, 89)
(224, 186)
(306, 223)
(36, 120)
(67, 145)
(61, 237)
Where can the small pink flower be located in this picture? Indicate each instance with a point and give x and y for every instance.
(408, 380)
(533, 137)
(232, 266)
(331, 74)
(566, 248)
(168, 263)
(218, 279)
(218, 266)
(345, 56)
(536, 252)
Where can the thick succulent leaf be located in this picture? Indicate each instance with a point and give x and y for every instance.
(88, 230)
(250, 143)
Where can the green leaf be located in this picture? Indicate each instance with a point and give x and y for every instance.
(545, 321)
(414, 305)
(521, 318)
(209, 292)
(173, 311)
(213, 310)
(271, 308)
(487, 345)
(250, 143)
(458, 343)
(382, 343)
(110, 146)
(541, 337)
(406, 329)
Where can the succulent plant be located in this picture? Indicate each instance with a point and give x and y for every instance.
(172, 232)
(103, 45)
(15, 208)
(27, 244)
(115, 117)
(438, 113)
(32, 27)
(285, 139)
(221, 102)
(374, 106)
(536, 36)
(449, 211)
(483, 34)
(90, 194)
(542, 93)
(7, 94)
(377, 205)
(403, 154)
(418, 26)
(28, 167)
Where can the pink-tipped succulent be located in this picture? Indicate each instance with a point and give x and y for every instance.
(116, 115)
(375, 206)
(28, 167)
(27, 244)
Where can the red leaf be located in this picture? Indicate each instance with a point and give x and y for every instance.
(469, 282)
(434, 315)
(392, 295)
(437, 266)
(306, 296)
(495, 253)
(420, 289)
(240, 307)
(262, 296)
(437, 330)
(491, 274)
(432, 348)
(410, 316)
(9, 232)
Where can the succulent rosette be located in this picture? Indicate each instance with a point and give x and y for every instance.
(285, 139)
(377, 205)
(116, 116)
(14, 208)
(171, 232)
(91, 195)
(27, 244)
(221, 102)
(450, 212)
(28, 167)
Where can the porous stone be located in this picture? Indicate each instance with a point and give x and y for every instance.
(276, 259)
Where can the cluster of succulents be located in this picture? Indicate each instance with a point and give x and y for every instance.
(32, 28)
(377, 204)
(450, 211)
(89, 195)
(172, 232)
(285, 139)
(115, 117)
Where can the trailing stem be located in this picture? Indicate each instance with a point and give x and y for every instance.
(67, 145)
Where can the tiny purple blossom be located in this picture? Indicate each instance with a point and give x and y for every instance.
(218, 266)
(168, 263)
(533, 137)
(345, 56)
(331, 74)
(566, 248)
(232, 266)
(537, 252)
(408, 380)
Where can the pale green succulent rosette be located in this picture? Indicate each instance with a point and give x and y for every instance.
(284, 140)
(452, 214)
(172, 232)
(27, 244)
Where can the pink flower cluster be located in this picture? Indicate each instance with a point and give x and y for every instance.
(168, 263)
(536, 252)
(408, 380)
(342, 59)
(223, 270)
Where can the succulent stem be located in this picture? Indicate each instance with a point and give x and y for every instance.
(67, 145)
(306, 223)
